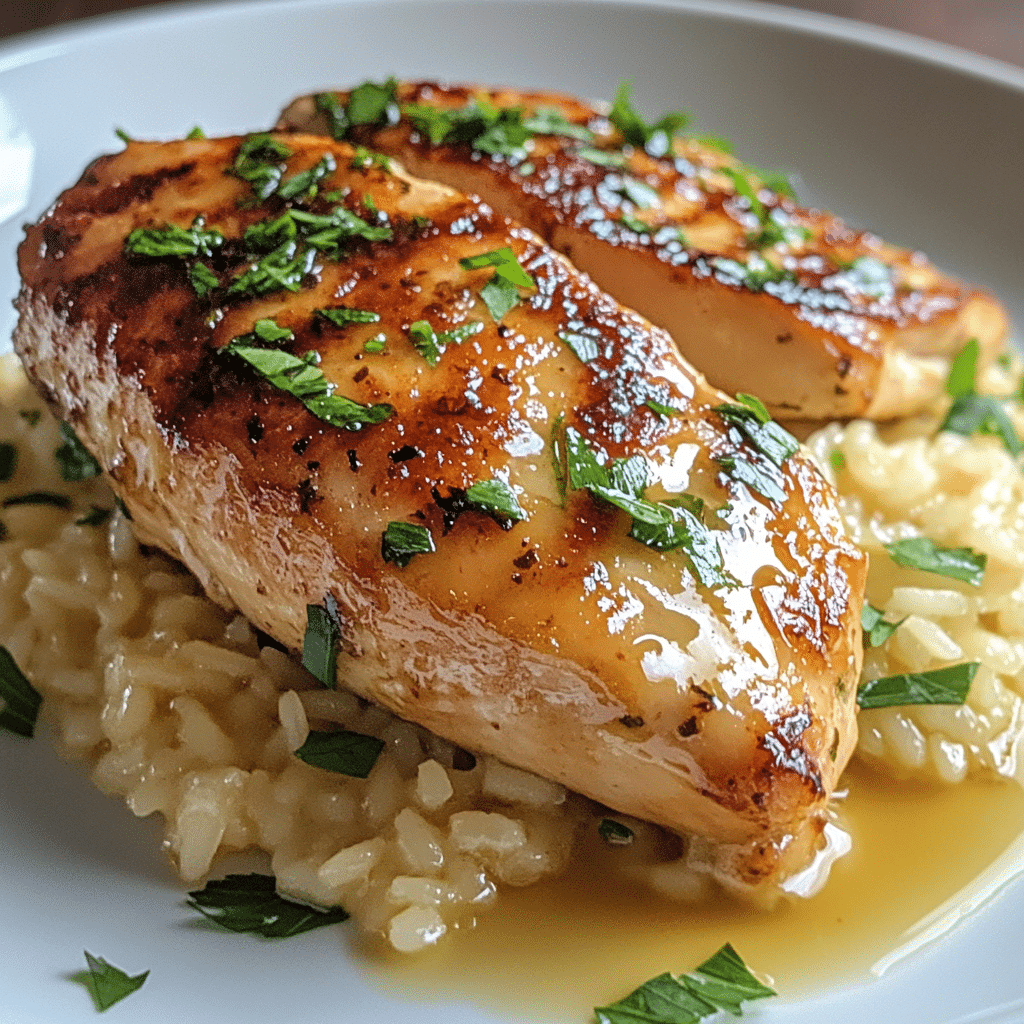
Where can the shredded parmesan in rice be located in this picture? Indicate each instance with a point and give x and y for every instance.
(183, 710)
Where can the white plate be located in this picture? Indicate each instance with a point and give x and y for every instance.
(916, 139)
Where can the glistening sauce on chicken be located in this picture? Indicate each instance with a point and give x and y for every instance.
(701, 676)
(760, 293)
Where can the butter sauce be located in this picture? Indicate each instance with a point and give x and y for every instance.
(552, 951)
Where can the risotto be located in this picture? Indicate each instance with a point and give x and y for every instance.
(182, 709)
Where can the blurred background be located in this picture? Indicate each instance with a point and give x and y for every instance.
(991, 27)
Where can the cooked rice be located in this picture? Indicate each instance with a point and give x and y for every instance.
(183, 710)
(908, 480)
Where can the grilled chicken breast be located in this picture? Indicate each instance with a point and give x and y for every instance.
(316, 380)
(760, 294)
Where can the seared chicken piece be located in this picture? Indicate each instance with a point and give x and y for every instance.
(461, 479)
(761, 295)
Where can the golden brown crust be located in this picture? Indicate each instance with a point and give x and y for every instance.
(559, 644)
(850, 326)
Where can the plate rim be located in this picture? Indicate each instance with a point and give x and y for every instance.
(40, 44)
(60, 41)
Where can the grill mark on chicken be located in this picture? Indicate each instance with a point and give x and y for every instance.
(587, 667)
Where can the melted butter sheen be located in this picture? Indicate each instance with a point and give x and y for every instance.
(554, 950)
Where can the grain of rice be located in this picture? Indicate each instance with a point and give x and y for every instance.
(293, 719)
(923, 601)
(433, 786)
(420, 843)
(352, 864)
(406, 890)
(416, 928)
(128, 714)
(514, 785)
(382, 797)
(485, 833)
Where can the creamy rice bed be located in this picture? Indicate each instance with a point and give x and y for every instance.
(183, 710)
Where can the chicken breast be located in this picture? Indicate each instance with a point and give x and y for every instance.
(320, 382)
(759, 293)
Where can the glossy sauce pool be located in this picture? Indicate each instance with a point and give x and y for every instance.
(554, 950)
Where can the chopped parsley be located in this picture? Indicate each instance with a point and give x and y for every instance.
(31, 416)
(373, 103)
(500, 296)
(320, 643)
(753, 419)
(19, 699)
(687, 533)
(260, 162)
(329, 104)
(963, 564)
(108, 984)
(342, 316)
(664, 410)
(621, 484)
(749, 416)
(505, 263)
(656, 138)
(777, 229)
(501, 293)
(639, 193)
(343, 752)
(659, 525)
(551, 121)
(303, 186)
(284, 268)
(963, 370)
(584, 346)
(724, 982)
(400, 542)
(8, 460)
(328, 233)
(488, 128)
(876, 629)
(160, 243)
(602, 157)
(759, 474)
(747, 189)
(498, 131)
(641, 227)
(300, 377)
(870, 276)
(96, 516)
(719, 142)
(776, 181)
(972, 413)
(497, 499)
(202, 279)
(614, 833)
(74, 461)
(431, 344)
(38, 498)
(250, 903)
(939, 686)
(363, 159)
(755, 274)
